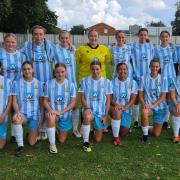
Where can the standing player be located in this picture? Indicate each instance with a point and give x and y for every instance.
(90, 52)
(124, 94)
(11, 60)
(142, 54)
(152, 94)
(166, 54)
(6, 101)
(63, 54)
(39, 51)
(26, 103)
(121, 53)
(60, 99)
(95, 98)
(175, 108)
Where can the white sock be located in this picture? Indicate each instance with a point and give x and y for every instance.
(12, 130)
(136, 112)
(167, 114)
(18, 133)
(44, 128)
(51, 135)
(115, 127)
(145, 130)
(75, 119)
(149, 128)
(175, 125)
(86, 131)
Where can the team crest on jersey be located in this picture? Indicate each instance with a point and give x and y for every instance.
(144, 56)
(12, 68)
(123, 96)
(154, 93)
(1, 86)
(121, 57)
(29, 97)
(68, 62)
(66, 89)
(95, 59)
(95, 96)
(35, 87)
(129, 86)
(60, 100)
(102, 86)
(166, 59)
(87, 51)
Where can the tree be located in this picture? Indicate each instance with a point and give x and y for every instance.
(78, 29)
(26, 14)
(176, 23)
(156, 24)
(5, 10)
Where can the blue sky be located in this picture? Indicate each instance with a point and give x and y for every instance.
(117, 13)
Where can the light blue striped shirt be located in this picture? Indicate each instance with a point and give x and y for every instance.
(122, 91)
(65, 56)
(28, 95)
(121, 55)
(95, 92)
(142, 54)
(60, 94)
(153, 88)
(41, 58)
(11, 64)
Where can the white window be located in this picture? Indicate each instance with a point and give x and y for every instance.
(105, 31)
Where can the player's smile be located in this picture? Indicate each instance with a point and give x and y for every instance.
(10, 44)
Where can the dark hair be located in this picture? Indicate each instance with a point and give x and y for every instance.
(142, 29)
(96, 63)
(27, 62)
(60, 65)
(45, 46)
(154, 61)
(164, 32)
(120, 64)
(38, 27)
(120, 31)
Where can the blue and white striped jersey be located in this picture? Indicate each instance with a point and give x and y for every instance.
(11, 64)
(5, 91)
(176, 86)
(122, 91)
(41, 56)
(177, 47)
(142, 54)
(153, 88)
(167, 58)
(65, 56)
(60, 94)
(28, 96)
(95, 92)
(121, 55)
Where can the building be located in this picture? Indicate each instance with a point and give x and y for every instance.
(103, 29)
(134, 29)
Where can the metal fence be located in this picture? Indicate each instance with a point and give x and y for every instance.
(78, 40)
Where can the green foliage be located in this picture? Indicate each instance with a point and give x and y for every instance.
(78, 29)
(26, 14)
(176, 23)
(156, 24)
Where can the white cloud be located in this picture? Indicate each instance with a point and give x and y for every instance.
(90, 12)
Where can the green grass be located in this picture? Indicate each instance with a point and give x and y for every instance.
(158, 160)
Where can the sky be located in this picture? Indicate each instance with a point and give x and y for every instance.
(117, 13)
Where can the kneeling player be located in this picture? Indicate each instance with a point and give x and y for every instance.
(60, 99)
(175, 108)
(6, 101)
(152, 93)
(26, 103)
(124, 94)
(95, 98)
